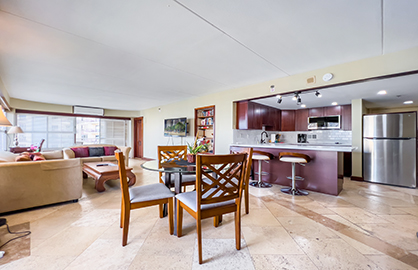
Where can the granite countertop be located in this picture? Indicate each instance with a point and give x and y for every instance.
(301, 146)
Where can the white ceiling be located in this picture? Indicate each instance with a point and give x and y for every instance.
(398, 89)
(134, 55)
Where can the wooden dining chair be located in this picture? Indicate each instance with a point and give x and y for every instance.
(139, 197)
(174, 152)
(220, 196)
(249, 152)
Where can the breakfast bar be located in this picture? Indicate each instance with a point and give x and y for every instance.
(324, 173)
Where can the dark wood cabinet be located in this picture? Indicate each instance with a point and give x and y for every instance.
(316, 111)
(332, 110)
(301, 120)
(346, 117)
(288, 120)
(251, 115)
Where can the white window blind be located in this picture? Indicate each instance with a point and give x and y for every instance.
(112, 131)
(64, 131)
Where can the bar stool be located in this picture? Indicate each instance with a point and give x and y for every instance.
(294, 158)
(261, 156)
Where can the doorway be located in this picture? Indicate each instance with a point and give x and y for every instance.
(138, 137)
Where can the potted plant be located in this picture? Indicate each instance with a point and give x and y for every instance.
(194, 149)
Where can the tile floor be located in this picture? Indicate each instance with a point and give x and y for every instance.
(368, 226)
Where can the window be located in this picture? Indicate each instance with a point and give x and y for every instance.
(64, 131)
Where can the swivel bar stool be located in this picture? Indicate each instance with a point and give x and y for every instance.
(261, 156)
(294, 158)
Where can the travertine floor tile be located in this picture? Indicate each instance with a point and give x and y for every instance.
(106, 254)
(42, 262)
(169, 262)
(289, 262)
(387, 262)
(334, 254)
(222, 254)
(270, 240)
(70, 242)
(358, 215)
(305, 228)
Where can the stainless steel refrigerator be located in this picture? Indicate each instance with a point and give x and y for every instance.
(390, 149)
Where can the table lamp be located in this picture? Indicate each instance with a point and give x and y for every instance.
(15, 130)
(3, 119)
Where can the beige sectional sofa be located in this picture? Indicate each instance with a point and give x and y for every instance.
(29, 184)
(68, 153)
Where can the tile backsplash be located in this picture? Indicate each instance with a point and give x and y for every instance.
(314, 137)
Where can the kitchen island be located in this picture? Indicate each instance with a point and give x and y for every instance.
(324, 173)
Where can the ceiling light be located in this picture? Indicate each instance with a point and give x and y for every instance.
(272, 88)
(295, 97)
(279, 100)
(317, 94)
(299, 102)
(408, 102)
(303, 106)
(279, 96)
(334, 103)
(382, 92)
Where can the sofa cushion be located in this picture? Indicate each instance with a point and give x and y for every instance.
(109, 158)
(91, 159)
(96, 151)
(80, 151)
(23, 158)
(53, 155)
(37, 156)
(8, 156)
(110, 150)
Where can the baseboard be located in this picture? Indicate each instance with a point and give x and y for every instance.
(357, 178)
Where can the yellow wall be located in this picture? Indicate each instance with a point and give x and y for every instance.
(224, 119)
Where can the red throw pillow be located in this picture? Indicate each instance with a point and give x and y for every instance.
(37, 156)
(110, 150)
(81, 151)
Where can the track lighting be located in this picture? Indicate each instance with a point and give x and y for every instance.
(295, 97)
(279, 100)
(317, 94)
(299, 101)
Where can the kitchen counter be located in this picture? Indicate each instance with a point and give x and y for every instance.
(324, 173)
(301, 146)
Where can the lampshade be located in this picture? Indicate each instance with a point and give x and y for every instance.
(3, 119)
(14, 130)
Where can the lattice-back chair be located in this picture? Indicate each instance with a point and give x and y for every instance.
(221, 195)
(169, 153)
(139, 197)
(249, 152)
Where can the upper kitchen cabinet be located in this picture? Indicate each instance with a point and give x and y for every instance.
(301, 120)
(288, 120)
(346, 117)
(333, 110)
(251, 115)
(316, 112)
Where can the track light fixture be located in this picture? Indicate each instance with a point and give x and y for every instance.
(279, 100)
(299, 100)
(317, 94)
(295, 97)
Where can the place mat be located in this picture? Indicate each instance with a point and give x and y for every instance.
(16, 249)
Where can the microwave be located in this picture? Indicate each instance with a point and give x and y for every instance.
(324, 122)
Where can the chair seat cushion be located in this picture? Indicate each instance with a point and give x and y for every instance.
(293, 159)
(260, 157)
(149, 193)
(189, 199)
(186, 179)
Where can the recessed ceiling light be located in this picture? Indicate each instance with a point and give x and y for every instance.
(382, 92)
(408, 102)
(334, 103)
(303, 106)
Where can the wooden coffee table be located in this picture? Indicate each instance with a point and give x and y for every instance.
(103, 171)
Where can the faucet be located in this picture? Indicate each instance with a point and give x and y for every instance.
(264, 140)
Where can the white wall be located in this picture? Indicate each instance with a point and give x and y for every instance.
(224, 118)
